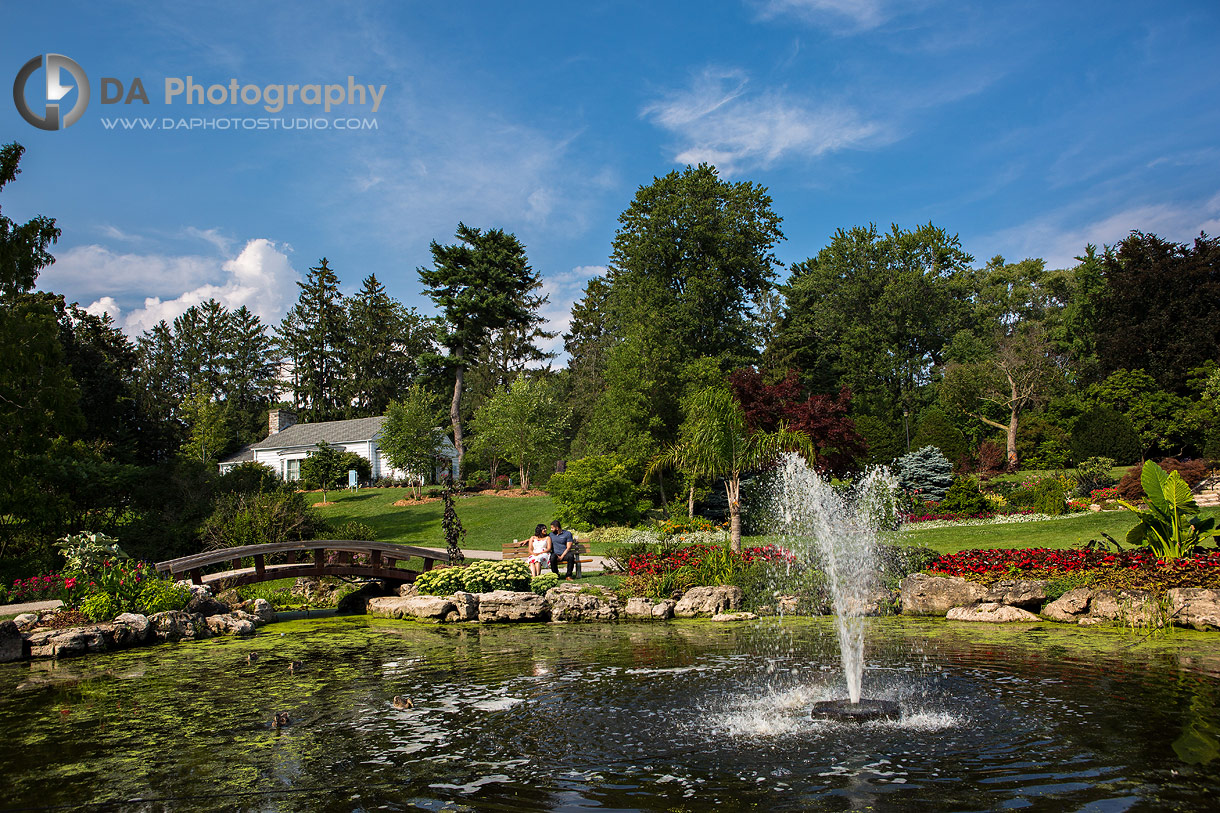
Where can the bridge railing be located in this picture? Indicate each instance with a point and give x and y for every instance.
(383, 560)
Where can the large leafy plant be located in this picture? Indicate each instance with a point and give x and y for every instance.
(1166, 524)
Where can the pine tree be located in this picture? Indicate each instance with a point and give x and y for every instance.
(314, 335)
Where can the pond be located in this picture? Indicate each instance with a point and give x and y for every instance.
(675, 716)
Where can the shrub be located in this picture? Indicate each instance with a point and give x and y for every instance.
(685, 525)
(248, 478)
(357, 531)
(935, 429)
(252, 519)
(610, 535)
(964, 497)
(540, 584)
(160, 595)
(86, 553)
(1050, 497)
(444, 581)
(992, 458)
(1104, 432)
(598, 490)
(100, 607)
(1192, 471)
(926, 472)
(1092, 474)
(898, 561)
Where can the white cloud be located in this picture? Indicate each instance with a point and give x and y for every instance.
(718, 121)
(93, 271)
(1059, 245)
(840, 15)
(564, 288)
(260, 277)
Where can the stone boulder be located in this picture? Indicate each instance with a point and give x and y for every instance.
(131, 629)
(1028, 594)
(735, 617)
(206, 605)
(26, 621)
(663, 610)
(1069, 607)
(705, 602)
(229, 624)
(357, 601)
(992, 612)
(176, 625)
(922, 594)
(64, 643)
(506, 605)
(435, 608)
(1195, 607)
(467, 605)
(1124, 606)
(572, 602)
(638, 608)
(262, 610)
(12, 644)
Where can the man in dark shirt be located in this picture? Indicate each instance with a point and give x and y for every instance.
(563, 546)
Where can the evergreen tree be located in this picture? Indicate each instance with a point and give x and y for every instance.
(314, 337)
(925, 472)
(481, 285)
(386, 344)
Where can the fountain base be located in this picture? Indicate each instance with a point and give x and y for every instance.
(865, 711)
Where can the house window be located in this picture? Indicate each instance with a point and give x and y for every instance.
(292, 469)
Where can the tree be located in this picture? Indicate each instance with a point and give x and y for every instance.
(324, 467)
(409, 435)
(1105, 432)
(314, 337)
(209, 432)
(718, 443)
(480, 285)
(1157, 309)
(386, 342)
(1162, 420)
(1020, 375)
(524, 422)
(874, 312)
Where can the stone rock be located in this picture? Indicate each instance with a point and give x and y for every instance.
(638, 607)
(429, 607)
(408, 589)
(663, 610)
(229, 625)
(1195, 607)
(1070, 606)
(466, 604)
(64, 643)
(176, 625)
(735, 617)
(262, 609)
(1028, 594)
(921, 594)
(1124, 606)
(992, 612)
(787, 605)
(571, 602)
(314, 591)
(708, 601)
(1090, 621)
(26, 621)
(251, 617)
(357, 601)
(386, 607)
(206, 605)
(506, 605)
(878, 602)
(131, 629)
(12, 644)
(230, 597)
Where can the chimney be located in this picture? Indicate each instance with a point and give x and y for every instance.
(280, 419)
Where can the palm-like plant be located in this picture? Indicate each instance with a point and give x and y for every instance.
(716, 442)
(1168, 525)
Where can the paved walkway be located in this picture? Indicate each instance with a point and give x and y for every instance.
(28, 607)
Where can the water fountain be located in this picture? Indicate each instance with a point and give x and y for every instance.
(839, 531)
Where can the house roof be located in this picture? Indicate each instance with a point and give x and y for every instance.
(242, 455)
(311, 434)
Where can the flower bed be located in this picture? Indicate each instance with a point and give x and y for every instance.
(1135, 569)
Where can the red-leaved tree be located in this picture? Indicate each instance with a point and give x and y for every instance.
(824, 418)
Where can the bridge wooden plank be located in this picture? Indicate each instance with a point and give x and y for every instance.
(185, 564)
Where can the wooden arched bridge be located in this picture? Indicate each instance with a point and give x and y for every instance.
(377, 560)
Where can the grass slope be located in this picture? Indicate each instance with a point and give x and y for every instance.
(489, 520)
(1054, 533)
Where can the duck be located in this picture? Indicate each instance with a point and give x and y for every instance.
(251, 658)
(280, 720)
(403, 703)
(294, 667)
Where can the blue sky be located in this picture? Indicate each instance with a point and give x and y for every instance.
(1028, 128)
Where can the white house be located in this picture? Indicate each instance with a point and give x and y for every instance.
(290, 442)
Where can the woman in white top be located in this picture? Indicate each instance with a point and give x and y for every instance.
(540, 551)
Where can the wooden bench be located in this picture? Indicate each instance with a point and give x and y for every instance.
(521, 550)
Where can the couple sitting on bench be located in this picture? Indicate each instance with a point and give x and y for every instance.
(550, 549)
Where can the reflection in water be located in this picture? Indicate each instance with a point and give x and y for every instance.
(631, 717)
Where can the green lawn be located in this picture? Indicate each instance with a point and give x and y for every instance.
(1054, 533)
(489, 521)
